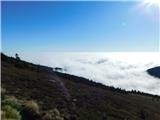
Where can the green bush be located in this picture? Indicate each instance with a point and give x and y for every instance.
(10, 113)
(32, 107)
(11, 101)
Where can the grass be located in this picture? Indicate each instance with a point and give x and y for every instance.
(10, 108)
(32, 107)
(9, 113)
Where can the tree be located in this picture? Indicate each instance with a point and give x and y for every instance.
(17, 56)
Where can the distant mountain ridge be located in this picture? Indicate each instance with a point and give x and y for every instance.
(154, 71)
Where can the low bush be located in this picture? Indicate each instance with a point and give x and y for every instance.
(53, 115)
(10, 113)
(56, 112)
(11, 101)
(31, 107)
(59, 118)
(47, 116)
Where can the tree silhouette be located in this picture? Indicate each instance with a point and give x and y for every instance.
(17, 56)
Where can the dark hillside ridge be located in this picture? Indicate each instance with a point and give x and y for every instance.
(154, 71)
(23, 64)
(76, 98)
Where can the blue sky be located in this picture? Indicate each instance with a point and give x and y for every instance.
(78, 26)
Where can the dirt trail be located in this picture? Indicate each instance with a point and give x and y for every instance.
(62, 86)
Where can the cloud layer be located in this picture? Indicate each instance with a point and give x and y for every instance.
(124, 70)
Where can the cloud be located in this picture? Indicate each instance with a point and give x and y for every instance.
(124, 70)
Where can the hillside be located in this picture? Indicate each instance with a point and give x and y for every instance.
(60, 96)
(154, 71)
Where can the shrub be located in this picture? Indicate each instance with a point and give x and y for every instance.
(53, 115)
(58, 118)
(47, 116)
(56, 112)
(11, 101)
(31, 107)
(2, 114)
(10, 113)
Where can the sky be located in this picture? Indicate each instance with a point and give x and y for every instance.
(79, 26)
(112, 43)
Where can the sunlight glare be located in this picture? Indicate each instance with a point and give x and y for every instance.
(150, 3)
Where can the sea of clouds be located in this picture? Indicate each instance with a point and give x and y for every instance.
(124, 70)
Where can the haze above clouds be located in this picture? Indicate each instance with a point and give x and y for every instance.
(124, 70)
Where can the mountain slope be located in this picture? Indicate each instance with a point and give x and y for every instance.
(154, 71)
(75, 98)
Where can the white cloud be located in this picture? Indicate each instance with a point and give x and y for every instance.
(124, 70)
